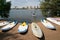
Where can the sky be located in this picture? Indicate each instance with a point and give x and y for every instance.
(24, 3)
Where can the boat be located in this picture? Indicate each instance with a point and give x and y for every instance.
(47, 24)
(4, 23)
(53, 21)
(9, 26)
(36, 30)
(57, 19)
(23, 27)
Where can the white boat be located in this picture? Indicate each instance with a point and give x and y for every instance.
(57, 19)
(9, 26)
(36, 30)
(23, 27)
(53, 21)
(47, 24)
(4, 23)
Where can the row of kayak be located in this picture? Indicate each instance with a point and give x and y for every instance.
(48, 24)
(7, 25)
(23, 27)
(37, 30)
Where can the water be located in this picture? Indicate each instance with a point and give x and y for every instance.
(25, 14)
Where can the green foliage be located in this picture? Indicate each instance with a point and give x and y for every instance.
(50, 7)
(4, 8)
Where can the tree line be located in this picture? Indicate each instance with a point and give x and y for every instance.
(50, 7)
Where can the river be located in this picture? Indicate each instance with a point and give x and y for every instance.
(25, 14)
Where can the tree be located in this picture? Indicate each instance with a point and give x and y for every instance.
(4, 8)
(50, 7)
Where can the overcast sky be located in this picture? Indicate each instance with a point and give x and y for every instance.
(23, 3)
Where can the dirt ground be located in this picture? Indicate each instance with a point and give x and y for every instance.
(48, 33)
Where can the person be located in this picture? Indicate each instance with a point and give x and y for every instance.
(34, 16)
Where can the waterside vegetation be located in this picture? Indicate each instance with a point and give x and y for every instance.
(4, 8)
(50, 7)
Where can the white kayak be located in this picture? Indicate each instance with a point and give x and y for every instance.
(54, 21)
(9, 26)
(36, 30)
(23, 28)
(4, 23)
(57, 19)
(47, 24)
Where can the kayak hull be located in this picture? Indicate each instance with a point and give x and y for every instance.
(9, 26)
(47, 24)
(53, 21)
(36, 30)
(4, 23)
(22, 29)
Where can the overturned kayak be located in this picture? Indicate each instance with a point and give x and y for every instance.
(23, 27)
(9, 26)
(47, 24)
(4, 23)
(53, 21)
(36, 30)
